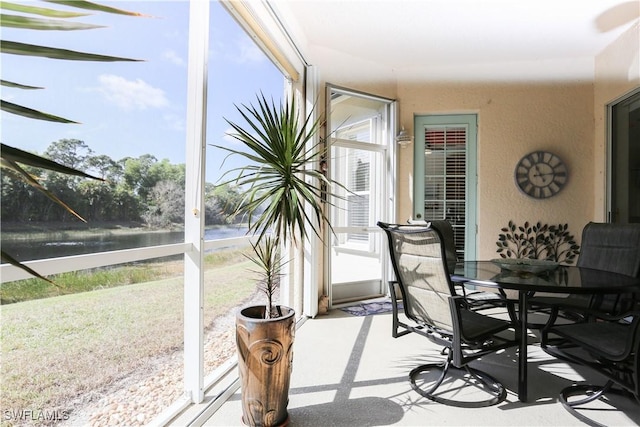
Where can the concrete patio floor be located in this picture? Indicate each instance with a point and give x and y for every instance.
(349, 371)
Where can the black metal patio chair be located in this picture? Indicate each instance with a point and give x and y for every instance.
(605, 247)
(609, 345)
(435, 311)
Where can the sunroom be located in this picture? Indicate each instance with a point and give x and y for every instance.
(429, 106)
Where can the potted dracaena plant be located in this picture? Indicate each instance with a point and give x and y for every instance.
(282, 184)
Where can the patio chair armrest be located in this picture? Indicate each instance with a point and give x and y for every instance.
(394, 287)
(631, 317)
(459, 300)
(608, 340)
(595, 314)
(592, 315)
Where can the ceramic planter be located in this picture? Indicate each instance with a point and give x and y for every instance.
(265, 354)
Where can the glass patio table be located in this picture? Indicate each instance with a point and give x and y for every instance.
(553, 279)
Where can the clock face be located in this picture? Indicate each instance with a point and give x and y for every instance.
(541, 174)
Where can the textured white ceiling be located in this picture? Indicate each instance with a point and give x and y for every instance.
(463, 39)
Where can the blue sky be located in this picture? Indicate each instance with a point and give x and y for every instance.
(130, 109)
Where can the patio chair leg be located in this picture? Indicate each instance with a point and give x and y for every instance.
(591, 391)
(423, 368)
(491, 384)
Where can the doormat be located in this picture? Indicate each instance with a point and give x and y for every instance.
(370, 308)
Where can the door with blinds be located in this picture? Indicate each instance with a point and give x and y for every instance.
(360, 151)
(445, 175)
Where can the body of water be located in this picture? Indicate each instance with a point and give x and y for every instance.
(59, 244)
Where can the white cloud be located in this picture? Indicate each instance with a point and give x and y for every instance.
(172, 56)
(131, 94)
(241, 51)
(246, 52)
(216, 49)
(227, 136)
(174, 122)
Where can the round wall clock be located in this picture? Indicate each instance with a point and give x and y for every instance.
(541, 174)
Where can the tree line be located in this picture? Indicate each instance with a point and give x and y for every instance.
(136, 190)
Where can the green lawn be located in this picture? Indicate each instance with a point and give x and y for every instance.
(57, 348)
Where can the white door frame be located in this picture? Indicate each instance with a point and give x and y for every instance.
(386, 197)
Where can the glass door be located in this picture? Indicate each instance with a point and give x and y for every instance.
(361, 148)
(445, 171)
(624, 172)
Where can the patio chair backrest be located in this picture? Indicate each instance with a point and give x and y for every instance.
(446, 231)
(611, 247)
(418, 259)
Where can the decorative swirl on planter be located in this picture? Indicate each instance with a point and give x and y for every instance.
(268, 351)
(270, 418)
(259, 416)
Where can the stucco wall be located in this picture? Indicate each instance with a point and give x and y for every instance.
(513, 120)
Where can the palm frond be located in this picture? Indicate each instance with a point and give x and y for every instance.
(27, 177)
(25, 22)
(7, 83)
(42, 11)
(19, 110)
(9, 259)
(87, 5)
(18, 48)
(24, 157)
(11, 159)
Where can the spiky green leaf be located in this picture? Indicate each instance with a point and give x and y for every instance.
(7, 83)
(87, 5)
(42, 11)
(15, 167)
(19, 110)
(25, 22)
(9, 259)
(18, 48)
(20, 156)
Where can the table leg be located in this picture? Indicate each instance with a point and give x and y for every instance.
(522, 359)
